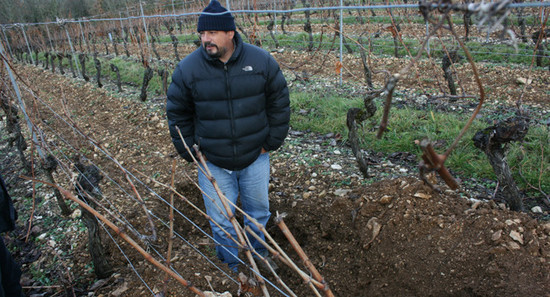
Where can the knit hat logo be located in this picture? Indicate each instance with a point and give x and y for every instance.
(217, 19)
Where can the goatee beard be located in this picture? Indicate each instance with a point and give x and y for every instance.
(216, 54)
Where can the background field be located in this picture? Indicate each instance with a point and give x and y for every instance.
(385, 234)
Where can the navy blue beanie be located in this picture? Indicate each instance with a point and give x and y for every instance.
(221, 22)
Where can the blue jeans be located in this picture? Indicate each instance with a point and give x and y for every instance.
(252, 185)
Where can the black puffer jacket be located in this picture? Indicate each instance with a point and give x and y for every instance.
(7, 212)
(230, 110)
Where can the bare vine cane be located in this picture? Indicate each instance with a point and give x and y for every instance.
(153, 236)
(434, 161)
(392, 82)
(171, 231)
(205, 215)
(277, 252)
(109, 212)
(280, 254)
(243, 280)
(238, 229)
(430, 159)
(279, 221)
(394, 29)
(124, 236)
(202, 192)
(266, 263)
(230, 214)
(287, 261)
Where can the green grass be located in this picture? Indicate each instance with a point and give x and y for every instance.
(187, 38)
(131, 72)
(326, 113)
(384, 46)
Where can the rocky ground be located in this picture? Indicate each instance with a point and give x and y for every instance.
(386, 235)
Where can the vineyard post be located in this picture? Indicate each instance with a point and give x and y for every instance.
(124, 35)
(49, 38)
(130, 27)
(146, 33)
(27, 41)
(113, 42)
(21, 103)
(341, 36)
(174, 13)
(427, 36)
(83, 38)
(7, 41)
(275, 16)
(72, 49)
(122, 32)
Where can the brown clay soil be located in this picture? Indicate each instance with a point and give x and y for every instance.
(385, 237)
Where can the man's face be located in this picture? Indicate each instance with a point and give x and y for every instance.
(218, 44)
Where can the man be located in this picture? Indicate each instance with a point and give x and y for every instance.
(10, 274)
(230, 98)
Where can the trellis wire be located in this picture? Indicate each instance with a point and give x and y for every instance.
(73, 51)
(127, 259)
(27, 42)
(59, 151)
(341, 8)
(6, 41)
(264, 11)
(341, 38)
(145, 27)
(19, 99)
(49, 38)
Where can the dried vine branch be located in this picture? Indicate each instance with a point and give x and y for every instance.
(316, 275)
(153, 236)
(431, 160)
(240, 235)
(171, 228)
(124, 236)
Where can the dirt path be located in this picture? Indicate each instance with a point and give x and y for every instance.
(392, 238)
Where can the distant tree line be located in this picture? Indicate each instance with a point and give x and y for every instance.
(35, 11)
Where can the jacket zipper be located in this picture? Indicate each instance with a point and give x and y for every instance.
(228, 93)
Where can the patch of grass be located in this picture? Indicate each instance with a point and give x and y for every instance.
(39, 275)
(130, 71)
(326, 113)
(309, 108)
(182, 38)
(528, 158)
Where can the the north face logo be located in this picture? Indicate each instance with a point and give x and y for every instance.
(247, 68)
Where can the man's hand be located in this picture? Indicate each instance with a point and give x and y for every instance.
(263, 151)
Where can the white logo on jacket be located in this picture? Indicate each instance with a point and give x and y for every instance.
(247, 68)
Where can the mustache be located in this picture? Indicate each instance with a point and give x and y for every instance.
(209, 43)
